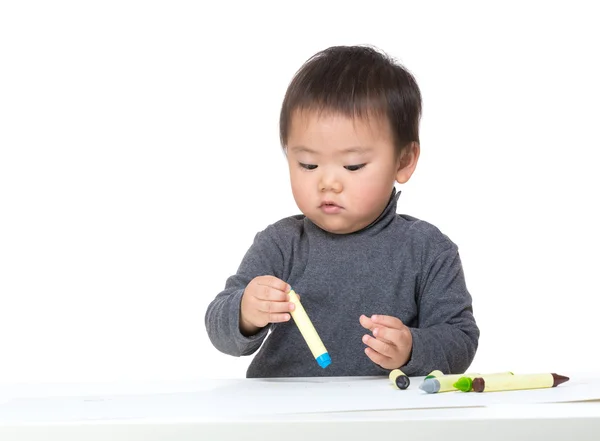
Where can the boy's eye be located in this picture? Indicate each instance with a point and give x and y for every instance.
(307, 166)
(354, 167)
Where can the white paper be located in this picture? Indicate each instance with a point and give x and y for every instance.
(224, 399)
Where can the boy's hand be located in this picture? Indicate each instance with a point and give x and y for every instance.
(265, 300)
(391, 344)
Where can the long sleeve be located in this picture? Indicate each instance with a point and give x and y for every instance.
(222, 317)
(447, 336)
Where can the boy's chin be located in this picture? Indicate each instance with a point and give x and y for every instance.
(336, 227)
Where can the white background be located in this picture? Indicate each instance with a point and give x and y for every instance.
(139, 156)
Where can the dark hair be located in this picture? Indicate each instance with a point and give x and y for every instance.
(356, 81)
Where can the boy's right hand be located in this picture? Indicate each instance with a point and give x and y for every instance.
(265, 300)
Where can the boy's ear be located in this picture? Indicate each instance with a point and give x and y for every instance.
(408, 162)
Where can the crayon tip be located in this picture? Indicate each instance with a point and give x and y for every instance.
(402, 382)
(464, 384)
(431, 386)
(434, 374)
(478, 384)
(399, 379)
(559, 379)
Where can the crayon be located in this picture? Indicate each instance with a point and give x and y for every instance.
(517, 382)
(434, 374)
(442, 383)
(465, 383)
(309, 332)
(399, 379)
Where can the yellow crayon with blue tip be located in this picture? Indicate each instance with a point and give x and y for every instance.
(308, 331)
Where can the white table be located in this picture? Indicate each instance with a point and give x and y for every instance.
(367, 408)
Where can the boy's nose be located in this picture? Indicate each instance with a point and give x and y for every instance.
(330, 185)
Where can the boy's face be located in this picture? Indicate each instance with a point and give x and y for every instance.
(342, 170)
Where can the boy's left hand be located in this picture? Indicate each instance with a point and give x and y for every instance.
(390, 345)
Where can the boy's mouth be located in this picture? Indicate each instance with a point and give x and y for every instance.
(330, 207)
(329, 204)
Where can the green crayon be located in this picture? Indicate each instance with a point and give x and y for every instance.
(465, 383)
(434, 374)
(434, 384)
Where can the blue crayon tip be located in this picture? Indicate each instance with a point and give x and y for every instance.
(324, 360)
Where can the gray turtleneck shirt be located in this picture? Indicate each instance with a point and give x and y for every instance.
(399, 266)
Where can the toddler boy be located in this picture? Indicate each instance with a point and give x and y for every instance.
(383, 290)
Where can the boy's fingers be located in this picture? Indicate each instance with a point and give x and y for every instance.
(387, 335)
(274, 283)
(278, 318)
(272, 295)
(366, 322)
(377, 358)
(387, 320)
(275, 307)
(385, 349)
